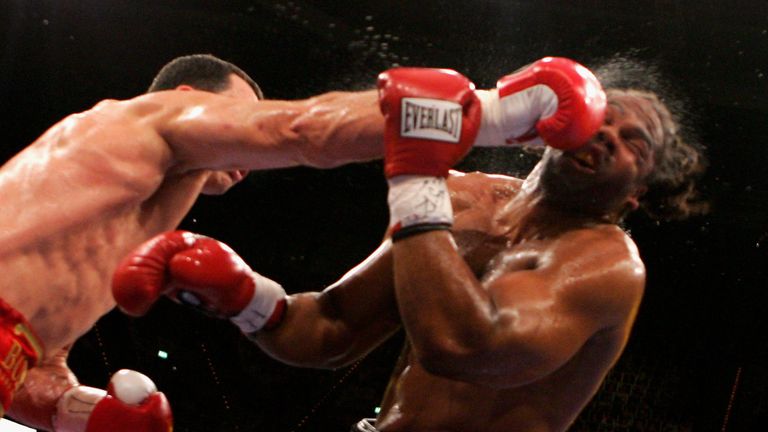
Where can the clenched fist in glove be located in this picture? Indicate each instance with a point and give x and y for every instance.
(201, 272)
(434, 116)
(130, 404)
(431, 120)
(554, 100)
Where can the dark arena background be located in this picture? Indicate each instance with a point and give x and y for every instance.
(697, 358)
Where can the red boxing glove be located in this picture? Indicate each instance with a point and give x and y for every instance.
(554, 98)
(201, 272)
(432, 117)
(131, 403)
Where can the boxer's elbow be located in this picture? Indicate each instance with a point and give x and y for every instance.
(443, 355)
(483, 365)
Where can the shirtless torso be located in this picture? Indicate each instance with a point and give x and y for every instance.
(512, 318)
(77, 210)
(98, 183)
(564, 296)
(81, 201)
(491, 244)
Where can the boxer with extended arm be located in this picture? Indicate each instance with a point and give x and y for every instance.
(100, 182)
(517, 296)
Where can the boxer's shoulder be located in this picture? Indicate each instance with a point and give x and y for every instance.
(156, 105)
(605, 259)
(105, 117)
(599, 239)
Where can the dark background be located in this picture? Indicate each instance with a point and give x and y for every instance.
(697, 357)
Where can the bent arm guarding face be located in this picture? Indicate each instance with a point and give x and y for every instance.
(521, 325)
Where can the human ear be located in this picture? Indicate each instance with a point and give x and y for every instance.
(633, 200)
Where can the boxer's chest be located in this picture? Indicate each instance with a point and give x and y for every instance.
(488, 254)
(492, 237)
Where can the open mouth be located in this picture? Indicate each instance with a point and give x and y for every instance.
(584, 159)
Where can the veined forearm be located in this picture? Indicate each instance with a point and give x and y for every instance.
(339, 128)
(325, 131)
(308, 336)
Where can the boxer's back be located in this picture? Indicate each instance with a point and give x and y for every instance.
(74, 203)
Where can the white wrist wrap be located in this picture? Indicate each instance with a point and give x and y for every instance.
(419, 200)
(74, 408)
(266, 294)
(514, 116)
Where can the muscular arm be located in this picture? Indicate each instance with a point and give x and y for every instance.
(35, 402)
(208, 131)
(518, 326)
(129, 148)
(339, 325)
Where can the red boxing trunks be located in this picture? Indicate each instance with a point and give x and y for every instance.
(19, 350)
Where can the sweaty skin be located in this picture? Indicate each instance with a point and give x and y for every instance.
(577, 316)
(99, 183)
(514, 317)
(556, 318)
